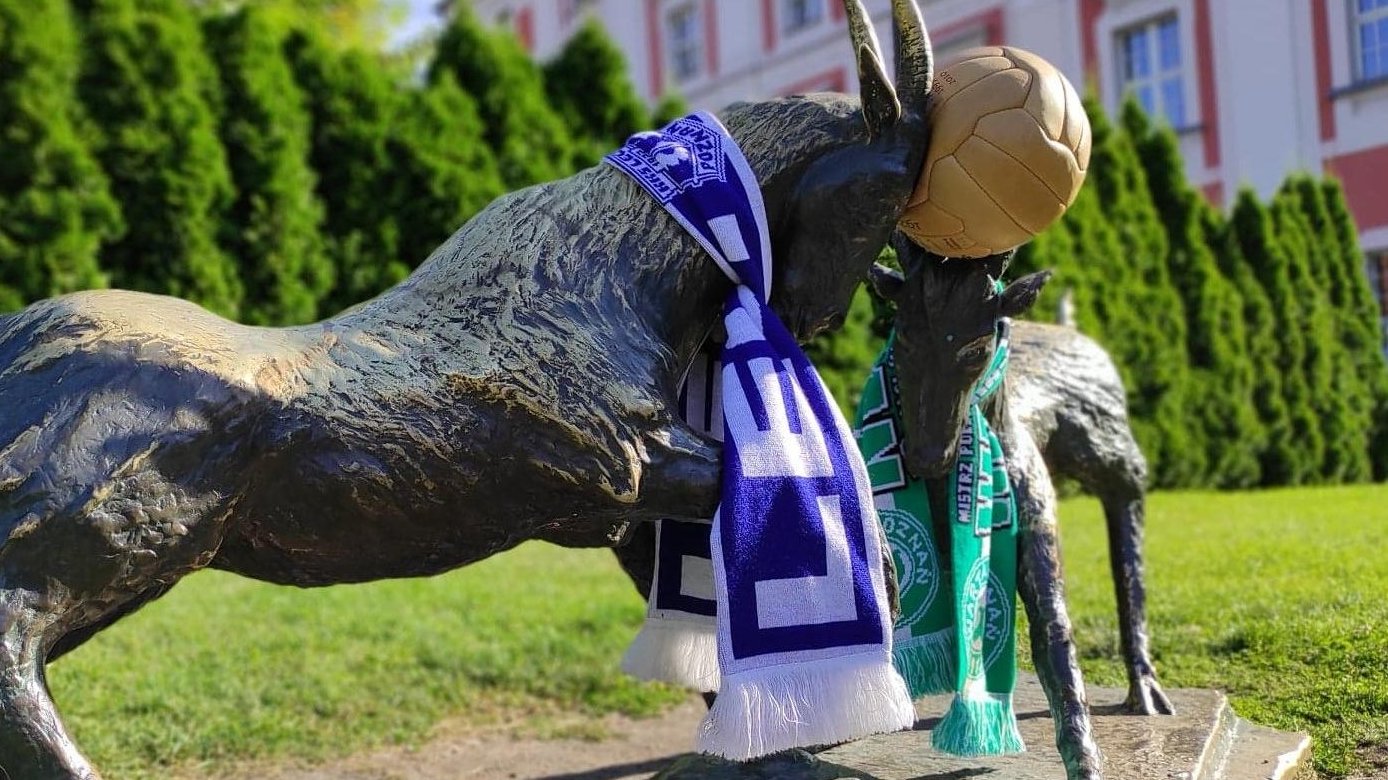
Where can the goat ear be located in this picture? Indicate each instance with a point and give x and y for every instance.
(996, 265)
(1021, 294)
(886, 282)
(880, 106)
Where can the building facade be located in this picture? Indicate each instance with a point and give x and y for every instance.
(1255, 89)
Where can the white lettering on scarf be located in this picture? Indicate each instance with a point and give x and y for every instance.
(799, 601)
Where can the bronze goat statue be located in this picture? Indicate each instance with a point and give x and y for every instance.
(1062, 410)
(519, 385)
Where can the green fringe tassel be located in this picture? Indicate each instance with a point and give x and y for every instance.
(979, 727)
(926, 663)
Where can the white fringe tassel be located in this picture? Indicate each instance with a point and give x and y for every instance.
(764, 711)
(675, 651)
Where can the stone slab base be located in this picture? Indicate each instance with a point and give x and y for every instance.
(1205, 740)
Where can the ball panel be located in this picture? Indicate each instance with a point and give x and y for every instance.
(1016, 133)
(984, 219)
(1010, 143)
(1026, 200)
(955, 246)
(1077, 132)
(931, 221)
(972, 53)
(965, 74)
(952, 121)
(1047, 101)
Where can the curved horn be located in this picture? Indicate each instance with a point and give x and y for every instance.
(880, 106)
(914, 66)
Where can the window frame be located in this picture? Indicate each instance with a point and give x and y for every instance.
(806, 23)
(571, 12)
(676, 49)
(1157, 78)
(1357, 21)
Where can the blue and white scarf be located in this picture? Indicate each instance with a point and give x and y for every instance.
(803, 626)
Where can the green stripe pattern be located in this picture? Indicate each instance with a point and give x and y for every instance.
(957, 629)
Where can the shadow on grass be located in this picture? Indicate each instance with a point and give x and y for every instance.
(647, 767)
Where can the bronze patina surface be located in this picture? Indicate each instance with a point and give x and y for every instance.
(519, 385)
(1062, 409)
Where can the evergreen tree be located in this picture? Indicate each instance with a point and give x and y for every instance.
(274, 227)
(1221, 376)
(345, 24)
(1306, 310)
(1295, 447)
(1055, 249)
(55, 208)
(588, 84)
(1143, 324)
(670, 107)
(352, 104)
(444, 173)
(529, 139)
(843, 357)
(1363, 334)
(399, 169)
(145, 81)
(1350, 417)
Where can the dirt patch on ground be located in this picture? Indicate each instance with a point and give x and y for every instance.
(1375, 758)
(570, 748)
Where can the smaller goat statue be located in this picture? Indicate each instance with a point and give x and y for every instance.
(1061, 410)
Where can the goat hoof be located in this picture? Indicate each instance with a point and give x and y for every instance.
(1145, 697)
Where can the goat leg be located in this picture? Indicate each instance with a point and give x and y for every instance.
(34, 744)
(682, 477)
(1124, 515)
(1043, 594)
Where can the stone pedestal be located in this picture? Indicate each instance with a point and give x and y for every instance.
(1204, 741)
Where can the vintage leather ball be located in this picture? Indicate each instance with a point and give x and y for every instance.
(1008, 151)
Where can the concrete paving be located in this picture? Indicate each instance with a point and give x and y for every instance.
(1205, 740)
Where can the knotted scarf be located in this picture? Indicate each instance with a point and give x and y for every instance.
(959, 635)
(803, 626)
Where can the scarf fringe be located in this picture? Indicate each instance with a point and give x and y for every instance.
(926, 663)
(682, 652)
(979, 726)
(764, 711)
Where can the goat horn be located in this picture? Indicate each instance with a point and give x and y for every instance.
(880, 106)
(914, 65)
(860, 28)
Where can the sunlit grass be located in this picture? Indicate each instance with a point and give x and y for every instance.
(224, 668)
(1279, 598)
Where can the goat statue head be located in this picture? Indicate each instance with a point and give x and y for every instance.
(837, 173)
(947, 317)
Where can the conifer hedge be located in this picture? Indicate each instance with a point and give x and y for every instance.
(56, 208)
(248, 158)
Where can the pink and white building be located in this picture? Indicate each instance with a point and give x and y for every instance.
(1254, 88)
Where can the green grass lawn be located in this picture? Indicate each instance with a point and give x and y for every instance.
(224, 668)
(1280, 598)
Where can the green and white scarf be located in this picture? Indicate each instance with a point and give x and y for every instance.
(957, 636)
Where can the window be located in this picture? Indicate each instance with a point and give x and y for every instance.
(800, 14)
(1150, 66)
(1370, 38)
(571, 11)
(686, 42)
